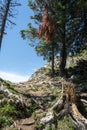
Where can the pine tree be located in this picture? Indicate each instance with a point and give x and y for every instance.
(70, 34)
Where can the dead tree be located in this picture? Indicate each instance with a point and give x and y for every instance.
(67, 105)
(5, 13)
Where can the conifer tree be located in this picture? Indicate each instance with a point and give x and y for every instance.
(69, 28)
(70, 34)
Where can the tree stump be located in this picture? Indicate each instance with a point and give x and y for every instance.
(67, 105)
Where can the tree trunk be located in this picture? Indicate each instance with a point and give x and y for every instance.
(63, 56)
(53, 71)
(4, 20)
(63, 53)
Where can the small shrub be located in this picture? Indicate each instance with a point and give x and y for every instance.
(5, 121)
(32, 107)
(65, 124)
(8, 110)
(38, 126)
(48, 127)
(2, 96)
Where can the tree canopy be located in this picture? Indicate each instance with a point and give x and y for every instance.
(70, 18)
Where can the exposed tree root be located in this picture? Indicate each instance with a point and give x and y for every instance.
(83, 95)
(80, 119)
(67, 105)
(83, 101)
(58, 104)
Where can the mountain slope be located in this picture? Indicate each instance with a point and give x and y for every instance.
(23, 105)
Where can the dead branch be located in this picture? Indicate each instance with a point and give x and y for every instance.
(49, 118)
(83, 101)
(59, 103)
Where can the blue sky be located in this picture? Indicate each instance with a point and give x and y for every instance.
(17, 59)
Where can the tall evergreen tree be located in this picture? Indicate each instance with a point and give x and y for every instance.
(69, 25)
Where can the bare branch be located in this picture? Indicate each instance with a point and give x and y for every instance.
(11, 22)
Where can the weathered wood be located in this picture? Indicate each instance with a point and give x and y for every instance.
(83, 95)
(67, 105)
(58, 104)
(83, 100)
(49, 118)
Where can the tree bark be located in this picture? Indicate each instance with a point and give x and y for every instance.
(63, 56)
(67, 105)
(53, 71)
(63, 53)
(4, 20)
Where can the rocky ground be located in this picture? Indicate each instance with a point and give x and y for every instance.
(36, 95)
(23, 105)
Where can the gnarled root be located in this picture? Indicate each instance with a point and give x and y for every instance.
(78, 117)
(72, 111)
(67, 105)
